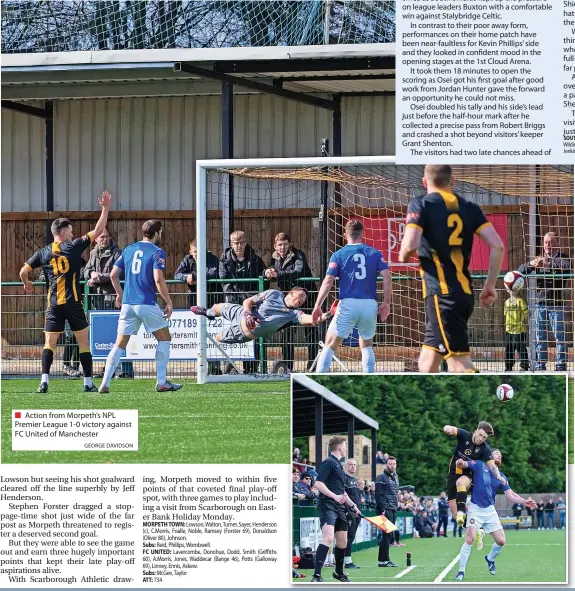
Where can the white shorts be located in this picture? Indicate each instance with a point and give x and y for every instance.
(133, 315)
(483, 518)
(352, 313)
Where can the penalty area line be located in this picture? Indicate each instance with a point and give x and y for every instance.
(446, 570)
(405, 571)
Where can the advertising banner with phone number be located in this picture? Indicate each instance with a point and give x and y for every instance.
(185, 338)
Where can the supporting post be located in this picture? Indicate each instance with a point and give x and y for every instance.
(336, 131)
(326, 22)
(350, 436)
(323, 226)
(373, 452)
(228, 151)
(49, 164)
(201, 244)
(318, 431)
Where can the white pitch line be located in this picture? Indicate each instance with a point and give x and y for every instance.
(405, 571)
(444, 572)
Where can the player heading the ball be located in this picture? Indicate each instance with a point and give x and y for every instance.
(440, 227)
(357, 267)
(61, 262)
(143, 264)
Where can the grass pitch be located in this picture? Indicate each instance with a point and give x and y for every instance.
(244, 423)
(529, 556)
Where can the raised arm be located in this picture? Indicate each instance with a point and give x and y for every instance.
(104, 201)
(450, 430)
(495, 470)
(307, 319)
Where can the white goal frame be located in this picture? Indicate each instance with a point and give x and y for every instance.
(202, 168)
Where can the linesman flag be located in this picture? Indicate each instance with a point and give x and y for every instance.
(381, 522)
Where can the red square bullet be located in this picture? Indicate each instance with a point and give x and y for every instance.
(17, 415)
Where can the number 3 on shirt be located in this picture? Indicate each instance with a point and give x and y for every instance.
(360, 260)
(137, 262)
(455, 239)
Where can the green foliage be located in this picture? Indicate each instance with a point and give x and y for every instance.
(412, 410)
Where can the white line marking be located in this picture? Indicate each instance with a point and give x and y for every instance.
(405, 571)
(446, 570)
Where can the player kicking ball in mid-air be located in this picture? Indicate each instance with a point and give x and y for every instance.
(261, 315)
(331, 506)
(61, 262)
(470, 446)
(482, 516)
(357, 267)
(143, 264)
(440, 227)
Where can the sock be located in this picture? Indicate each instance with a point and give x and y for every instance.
(464, 556)
(339, 554)
(320, 556)
(86, 361)
(368, 360)
(461, 498)
(112, 363)
(211, 313)
(45, 378)
(47, 359)
(495, 550)
(347, 560)
(162, 358)
(324, 360)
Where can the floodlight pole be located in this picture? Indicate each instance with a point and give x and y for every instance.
(318, 431)
(228, 152)
(350, 436)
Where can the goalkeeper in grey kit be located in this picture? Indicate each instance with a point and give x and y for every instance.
(261, 315)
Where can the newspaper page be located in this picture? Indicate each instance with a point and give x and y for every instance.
(254, 249)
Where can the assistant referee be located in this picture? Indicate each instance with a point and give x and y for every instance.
(332, 502)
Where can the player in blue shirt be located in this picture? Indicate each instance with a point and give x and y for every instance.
(482, 517)
(356, 266)
(143, 264)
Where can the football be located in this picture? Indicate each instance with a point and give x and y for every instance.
(514, 280)
(505, 392)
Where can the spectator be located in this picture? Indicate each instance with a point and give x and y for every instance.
(424, 525)
(240, 261)
(517, 511)
(455, 528)
(307, 481)
(561, 507)
(379, 458)
(531, 514)
(443, 514)
(550, 514)
(187, 272)
(289, 267)
(103, 295)
(550, 308)
(297, 493)
(361, 485)
(540, 513)
(386, 489)
(515, 312)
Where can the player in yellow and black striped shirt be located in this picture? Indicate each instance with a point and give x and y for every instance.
(440, 226)
(61, 262)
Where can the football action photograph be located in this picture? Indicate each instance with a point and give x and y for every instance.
(429, 479)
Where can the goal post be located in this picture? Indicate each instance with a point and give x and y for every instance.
(288, 195)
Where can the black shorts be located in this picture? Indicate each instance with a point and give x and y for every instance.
(73, 312)
(446, 324)
(333, 514)
(451, 485)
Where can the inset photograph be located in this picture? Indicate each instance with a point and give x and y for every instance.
(429, 479)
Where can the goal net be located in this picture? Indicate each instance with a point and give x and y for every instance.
(310, 200)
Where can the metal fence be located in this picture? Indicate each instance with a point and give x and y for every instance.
(293, 348)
